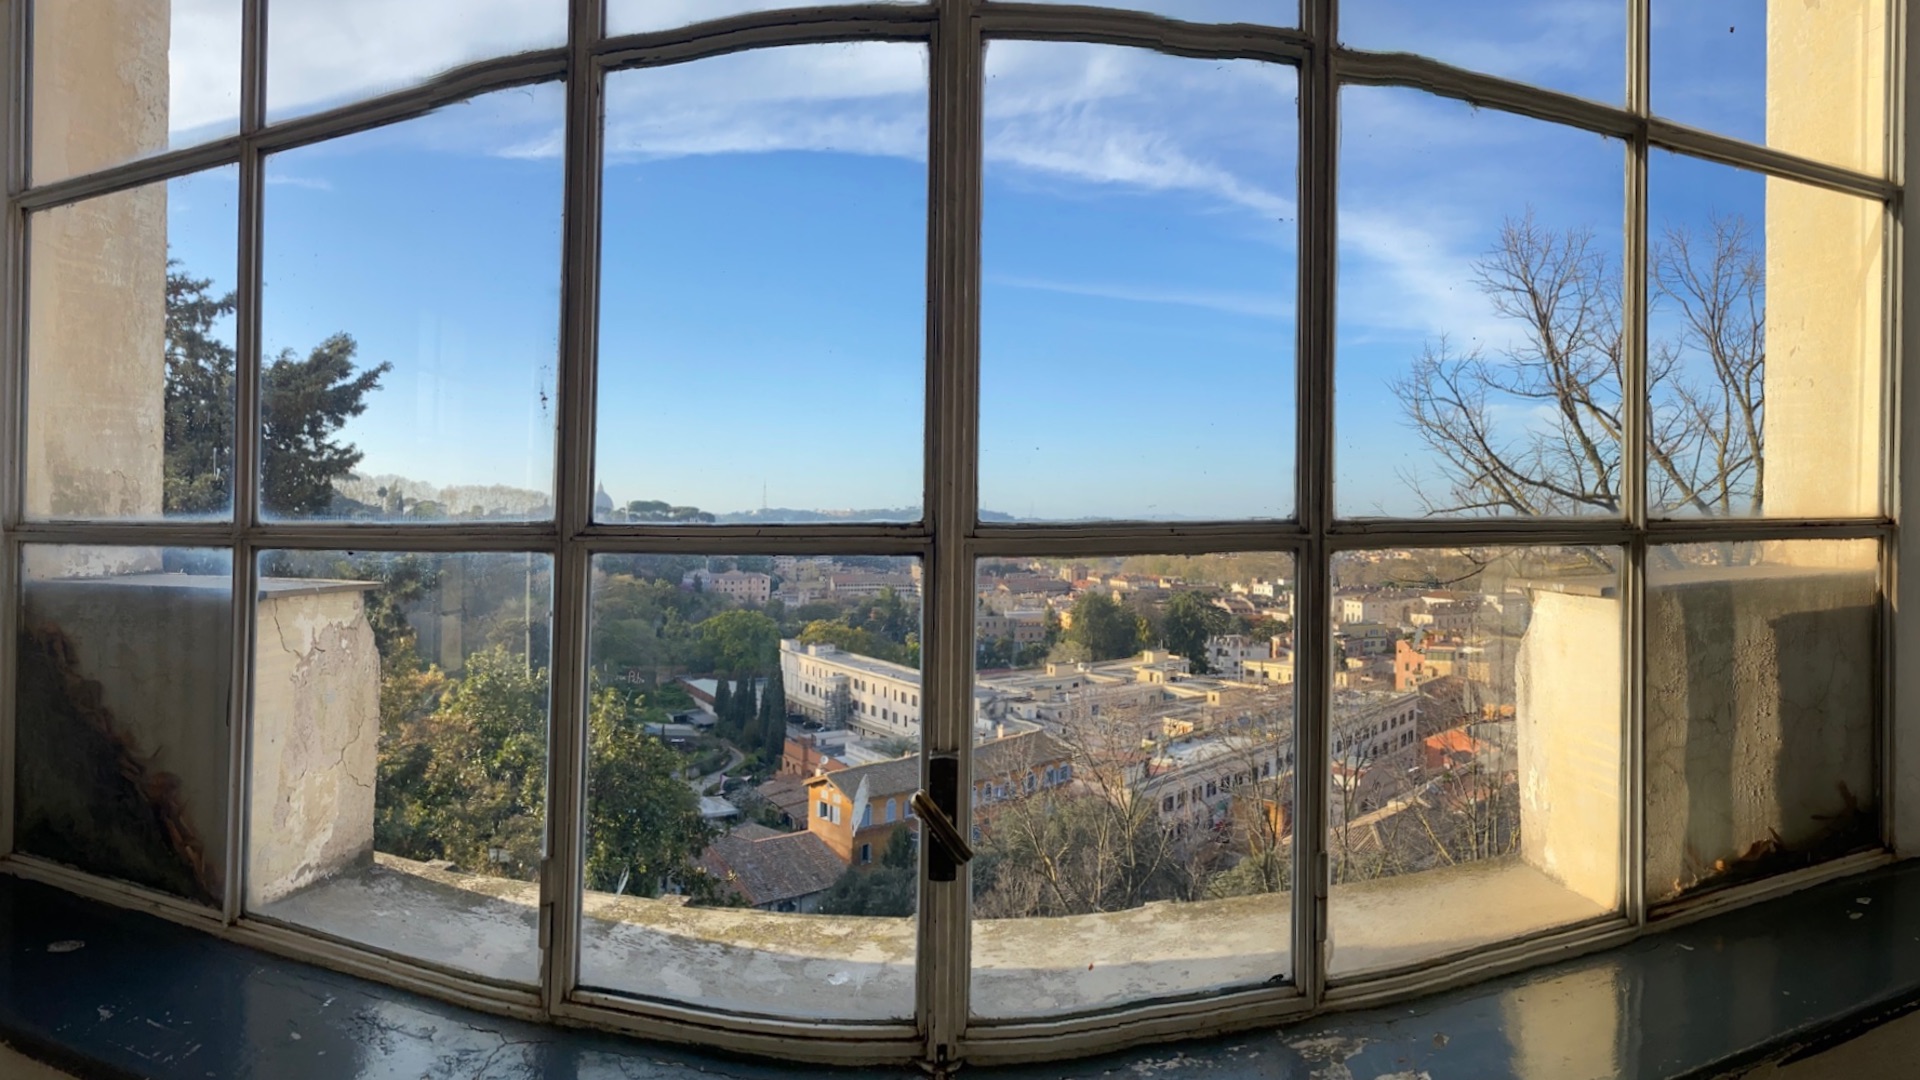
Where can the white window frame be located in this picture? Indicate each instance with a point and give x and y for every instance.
(950, 537)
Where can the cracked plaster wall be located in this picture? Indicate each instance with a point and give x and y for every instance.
(316, 730)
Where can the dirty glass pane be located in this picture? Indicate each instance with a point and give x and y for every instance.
(411, 319)
(398, 794)
(1475, 781)
(1479, 313)
(1809, 79)
(764, 266)
(1762, 687)
(753, 731)
(1764, 345)
(114, 81)
(1132, 779)
(326, 53)
(638, 16)
(1573, 48)
(130, 353)
(1137, 323)
(122, 703)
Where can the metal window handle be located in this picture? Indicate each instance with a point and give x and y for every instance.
(941, 831)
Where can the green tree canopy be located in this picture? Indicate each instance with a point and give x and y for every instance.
(738, 642)
(303, 405)
(1187, 624)
(1104, 627)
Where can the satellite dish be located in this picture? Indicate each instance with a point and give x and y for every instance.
(860, 797)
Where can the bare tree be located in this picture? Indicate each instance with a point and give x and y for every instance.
(1562, 376)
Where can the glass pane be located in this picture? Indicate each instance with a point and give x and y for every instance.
(751, 751)
(122, 703)
(1266, 12)
(1139, 222)
(1574, 48)
(1764, 345)
(764, 254)
(130, 352)
(114, 81)
(398, 798)
(638, 16)
(1459, 673)
(1479, 319)
(323, 53)
(412, 318)
(1132, 779)
(1762, 685)
(1809, 79)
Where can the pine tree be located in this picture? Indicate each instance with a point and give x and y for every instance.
(723, 705)
(303, 404)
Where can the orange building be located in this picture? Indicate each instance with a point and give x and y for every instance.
(856, 810)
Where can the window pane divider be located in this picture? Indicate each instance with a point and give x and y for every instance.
(562, 874)
(243, 509)
(1107, 26)
(760, 29)
(944, 956)
(13, 337)
(1313, 637)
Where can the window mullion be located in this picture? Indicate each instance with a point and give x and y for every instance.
(943, 975)
(562, 870)
(1634, 407)
(244, 513)
(1313, 637)
(13, 144)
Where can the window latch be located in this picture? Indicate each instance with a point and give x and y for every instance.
(947, 849)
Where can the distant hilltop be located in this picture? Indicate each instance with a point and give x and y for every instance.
(387, 495)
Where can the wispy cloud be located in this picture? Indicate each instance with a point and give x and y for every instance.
(1256, 305)
(312, 183)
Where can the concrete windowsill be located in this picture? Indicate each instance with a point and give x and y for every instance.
(755, 962)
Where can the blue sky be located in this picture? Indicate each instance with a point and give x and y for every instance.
(763, 289)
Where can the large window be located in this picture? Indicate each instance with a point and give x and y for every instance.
(964, 531)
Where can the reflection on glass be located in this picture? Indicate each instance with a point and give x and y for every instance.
(1479, 318)
(1137, 329)
(1806, 78)
(1134, 746)
(752, 736)
(1762, 677)
(1574, 48)
(115, 81)
(411, 322)
(323, 53)
(744, 278)
(1265, 12)
(121, 701)
(1764, 345)
(130, 353)
(398, 793)
(638, 16)
(1458, 673)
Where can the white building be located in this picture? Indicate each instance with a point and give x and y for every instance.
(843, 689)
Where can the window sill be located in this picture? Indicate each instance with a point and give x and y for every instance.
(147, 997)
(750, 961)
